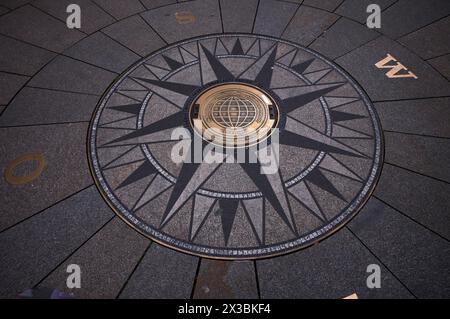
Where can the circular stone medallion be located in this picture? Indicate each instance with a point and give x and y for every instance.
(241, 89)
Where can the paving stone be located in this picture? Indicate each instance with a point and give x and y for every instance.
(136, 34)
(335, 268)
(267, 9)
(120, 9)
(415, 255)
(344, 36)
(64, 73)
(328, 5)
(100, 50)
(151, 4)
(226, 279)
(426, 117)
(10, 84)
(13, 4)
(426, 155)
(66, 170)
(158, 271)
(357, 9)
(238, 16)
(93, 18)
(421, 198)
(35, 247)
(22, 58)
(406, 16)
(3, 10)
(207, 20)
(360, 63)
(442, 64)
(33, 26)
(39, 106)
(307, 24)
(431, 41)
(106, 261)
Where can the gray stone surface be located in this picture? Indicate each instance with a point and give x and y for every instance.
(66, 170)
(238, 15)
(12, 4)
(106, 261)
(3, 10)
(360, 64)
(267, 10)
(426, 155)
(68, 74)
(10, 84)
(120, 9)
(421, 198)
(442, 64)
(162, 273)
(427, 117)
(307, 24)
(39, 106)
(151, 4)
(136, 34)
(416, 256)
(344, 36)
(22, 58)
(33, 248)
(218, 279)
(430, 41)
(98, 49)
(407, 16)
(93, 18)
(334, 268)
(356, 9)
(32, 25)
(328, 5)
(207, 20)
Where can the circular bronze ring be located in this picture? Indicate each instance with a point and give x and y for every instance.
(20, 180)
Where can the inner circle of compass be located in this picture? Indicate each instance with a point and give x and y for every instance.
(233, 115)
(328, 148)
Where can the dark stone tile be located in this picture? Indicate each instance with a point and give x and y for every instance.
(219, 279)
(66, 170)
(3, 10)
(357, 9)
(335, 268)
(39, 106)
(406, 16)
(207, 20)
(32, 25)
(426, 155)
(162, 273)
(100, 50)
(415, 255)
(12, 4)
(329, 5)
(344, 36)
(106, 261)
(360, 63)
(421, 198)
(33, 248)
(431, 41)
(427, 117)
(266, 24)
(307, 24)
(237, 15)
(120, 9)
(2, 107)
(151, 4)
(19, 57)
(10, 84)
(92, 17)
(135, 33)
(442, 65)
(68, 74)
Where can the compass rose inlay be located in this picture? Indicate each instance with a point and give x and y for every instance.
(330, 146)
